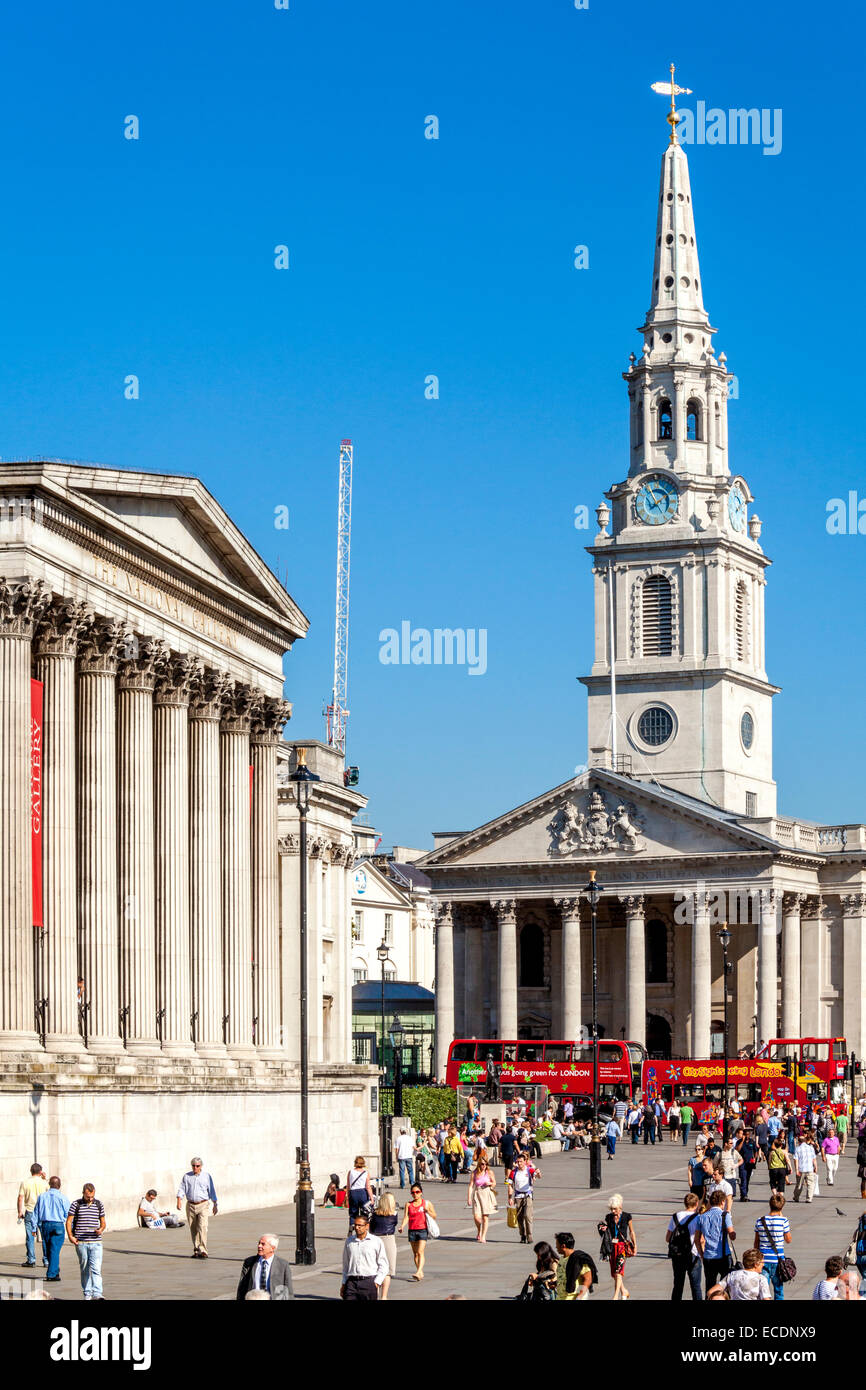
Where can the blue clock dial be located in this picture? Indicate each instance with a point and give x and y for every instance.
(737, 509)
(657, 501)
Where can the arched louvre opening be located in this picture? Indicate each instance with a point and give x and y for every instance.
(656, 616)
(693, 420)
(532, 955)
(666, 420)
(741, 622)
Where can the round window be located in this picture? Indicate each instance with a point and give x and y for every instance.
(747, 730)
(655, 726)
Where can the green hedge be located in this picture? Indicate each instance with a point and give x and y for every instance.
(425, 1105)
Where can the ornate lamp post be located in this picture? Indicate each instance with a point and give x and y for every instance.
(305, 1242)
(593, 889)
(382, 955)
(724, 942)
(397, 1032)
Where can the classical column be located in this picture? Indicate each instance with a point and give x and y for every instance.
(136, 891)
(813, 924)
(56, 648)
(205, 881)
(98, 942)
(236, 888)
(569, 910)
(635, 969)
(701, 978)
(792, 904)
(22, 603)
(472, 1016)
(767, 967)
(268, 719)
(506, 914)
(854, 971)
(171, 831)
(444, 989)
(490, 977)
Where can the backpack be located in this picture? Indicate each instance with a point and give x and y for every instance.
(680, 1243)
(856, 1252)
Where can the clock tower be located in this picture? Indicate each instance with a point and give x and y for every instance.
(678, 566)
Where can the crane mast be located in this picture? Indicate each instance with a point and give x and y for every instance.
(336, 711)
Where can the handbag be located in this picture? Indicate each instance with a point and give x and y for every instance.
(787, 1268)
(432, 1225)
(511, 1218)
(605, 1250)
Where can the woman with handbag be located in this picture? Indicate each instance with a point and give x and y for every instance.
(420, 1216)
(360, 1191)
(618, 1243)
(540, 1287)
(482, 1196)
(772, 1234)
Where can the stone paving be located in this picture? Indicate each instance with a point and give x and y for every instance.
(156, 1265)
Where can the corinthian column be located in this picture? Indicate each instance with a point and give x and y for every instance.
(136, 891)
(854, 967)
(701, 978)
(444, 993)
(22, 603)
(506, 913)
(236, 892)
(269, 716)
(100, 652)
(472, 979)
(635, 969)
(792, 904)
(572, 985)
(767, 971)
(205, 879)
(56, 648)
(171, 758)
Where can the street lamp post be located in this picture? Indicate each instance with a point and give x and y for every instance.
(382, 954)
(593, 889)
(305, 1236)
(725, 941)
(397, 1031)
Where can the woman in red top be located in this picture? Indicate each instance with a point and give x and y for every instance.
(416, 1216)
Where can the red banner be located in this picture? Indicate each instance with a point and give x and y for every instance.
(36, 797)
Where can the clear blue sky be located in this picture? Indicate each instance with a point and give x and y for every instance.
(454, 257)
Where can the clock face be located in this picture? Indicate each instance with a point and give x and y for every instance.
(657, 501)
(737, 509)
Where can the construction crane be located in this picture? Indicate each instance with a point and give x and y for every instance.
(336, 712)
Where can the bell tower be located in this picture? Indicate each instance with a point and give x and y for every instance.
(678, 567)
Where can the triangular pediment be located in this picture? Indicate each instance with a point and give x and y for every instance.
(370, 885)
(598, 817)
(170, 522)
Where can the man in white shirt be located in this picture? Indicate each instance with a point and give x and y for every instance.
(806, 1168)
(404, 1153)
(365, 1264)
(714, 1181)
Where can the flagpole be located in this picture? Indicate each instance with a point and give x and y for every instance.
(612, 657)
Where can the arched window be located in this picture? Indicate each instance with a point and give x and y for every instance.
(718, 437)
(693, 419)
(656, 953)
(666, 420)
(741, 621)
(656, 622)
(532, 955)
(639, 420)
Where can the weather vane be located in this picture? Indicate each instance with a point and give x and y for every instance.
(671, 88)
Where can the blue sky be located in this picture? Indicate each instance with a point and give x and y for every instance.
(411, 257)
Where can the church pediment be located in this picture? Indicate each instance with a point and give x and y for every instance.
(596, 818)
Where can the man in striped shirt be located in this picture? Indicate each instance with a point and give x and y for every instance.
(84, 1226)
(772, 1234)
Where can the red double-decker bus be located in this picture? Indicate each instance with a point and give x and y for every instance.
(564, 1068)
(784, 1071)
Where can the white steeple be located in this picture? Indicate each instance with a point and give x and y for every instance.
(676, 316)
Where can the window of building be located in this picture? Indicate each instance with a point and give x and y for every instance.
(666, 420)
(751, 803)
(358, 926)
(656, 626)
(389, 927)
(655, 726)
(693, 420)
(656, 953)
(532, 955)
(747, 730)
(359, 975)
(390, 972)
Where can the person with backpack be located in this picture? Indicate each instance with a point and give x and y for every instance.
(856, 1254)
(772, 1234)
(540, 1287)
(682, 1251)
(519, 1182)
(577, 1272)
(648, 1121)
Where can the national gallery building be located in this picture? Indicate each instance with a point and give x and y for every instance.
(149, 932)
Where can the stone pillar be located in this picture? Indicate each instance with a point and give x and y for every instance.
(136, 887)
(490, 974)
(678, 407)
(791, 906)
(236, 889)
(813, 921)
(444, 988)
(635, 969)
(473, 1024)
(854, 967)
(98, 940)
(22, 604)
(205, 879)
(506, 913)
(701, 979)
(171, 825)
(56, 649)
(767, 970)
(572, 986)
(269, 716)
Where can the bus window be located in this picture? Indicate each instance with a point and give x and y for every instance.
(782, 1051)
(837, 1092)
(691, 1095)
(509, 1052)
(490, 1052)
(667, 1094)
(463, 1052)
(749, 1091)
(529, 1052)
(581, 1054)
(712, 1092)
(609, 1052)
(816, 1052)
(557, 1052)
(839, 1053)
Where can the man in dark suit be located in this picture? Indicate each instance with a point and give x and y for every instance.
(266, 1272)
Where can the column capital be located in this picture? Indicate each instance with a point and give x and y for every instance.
(569, 908)
(268, 716)
(207, 692)
(815, 907)
(103, 645)
(634, 904)
(792, 904)
(175, 678)
(289, 844)
(61, 627)
(444, 914)
(22, 604)
(139, 670)
(853, 904)
(768, 899)
(506, 910)
(237, 705)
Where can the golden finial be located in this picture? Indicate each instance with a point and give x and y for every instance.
(302, 757)
(592, 874)
(675, 91)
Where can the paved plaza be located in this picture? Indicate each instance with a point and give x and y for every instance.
(156, 1265)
